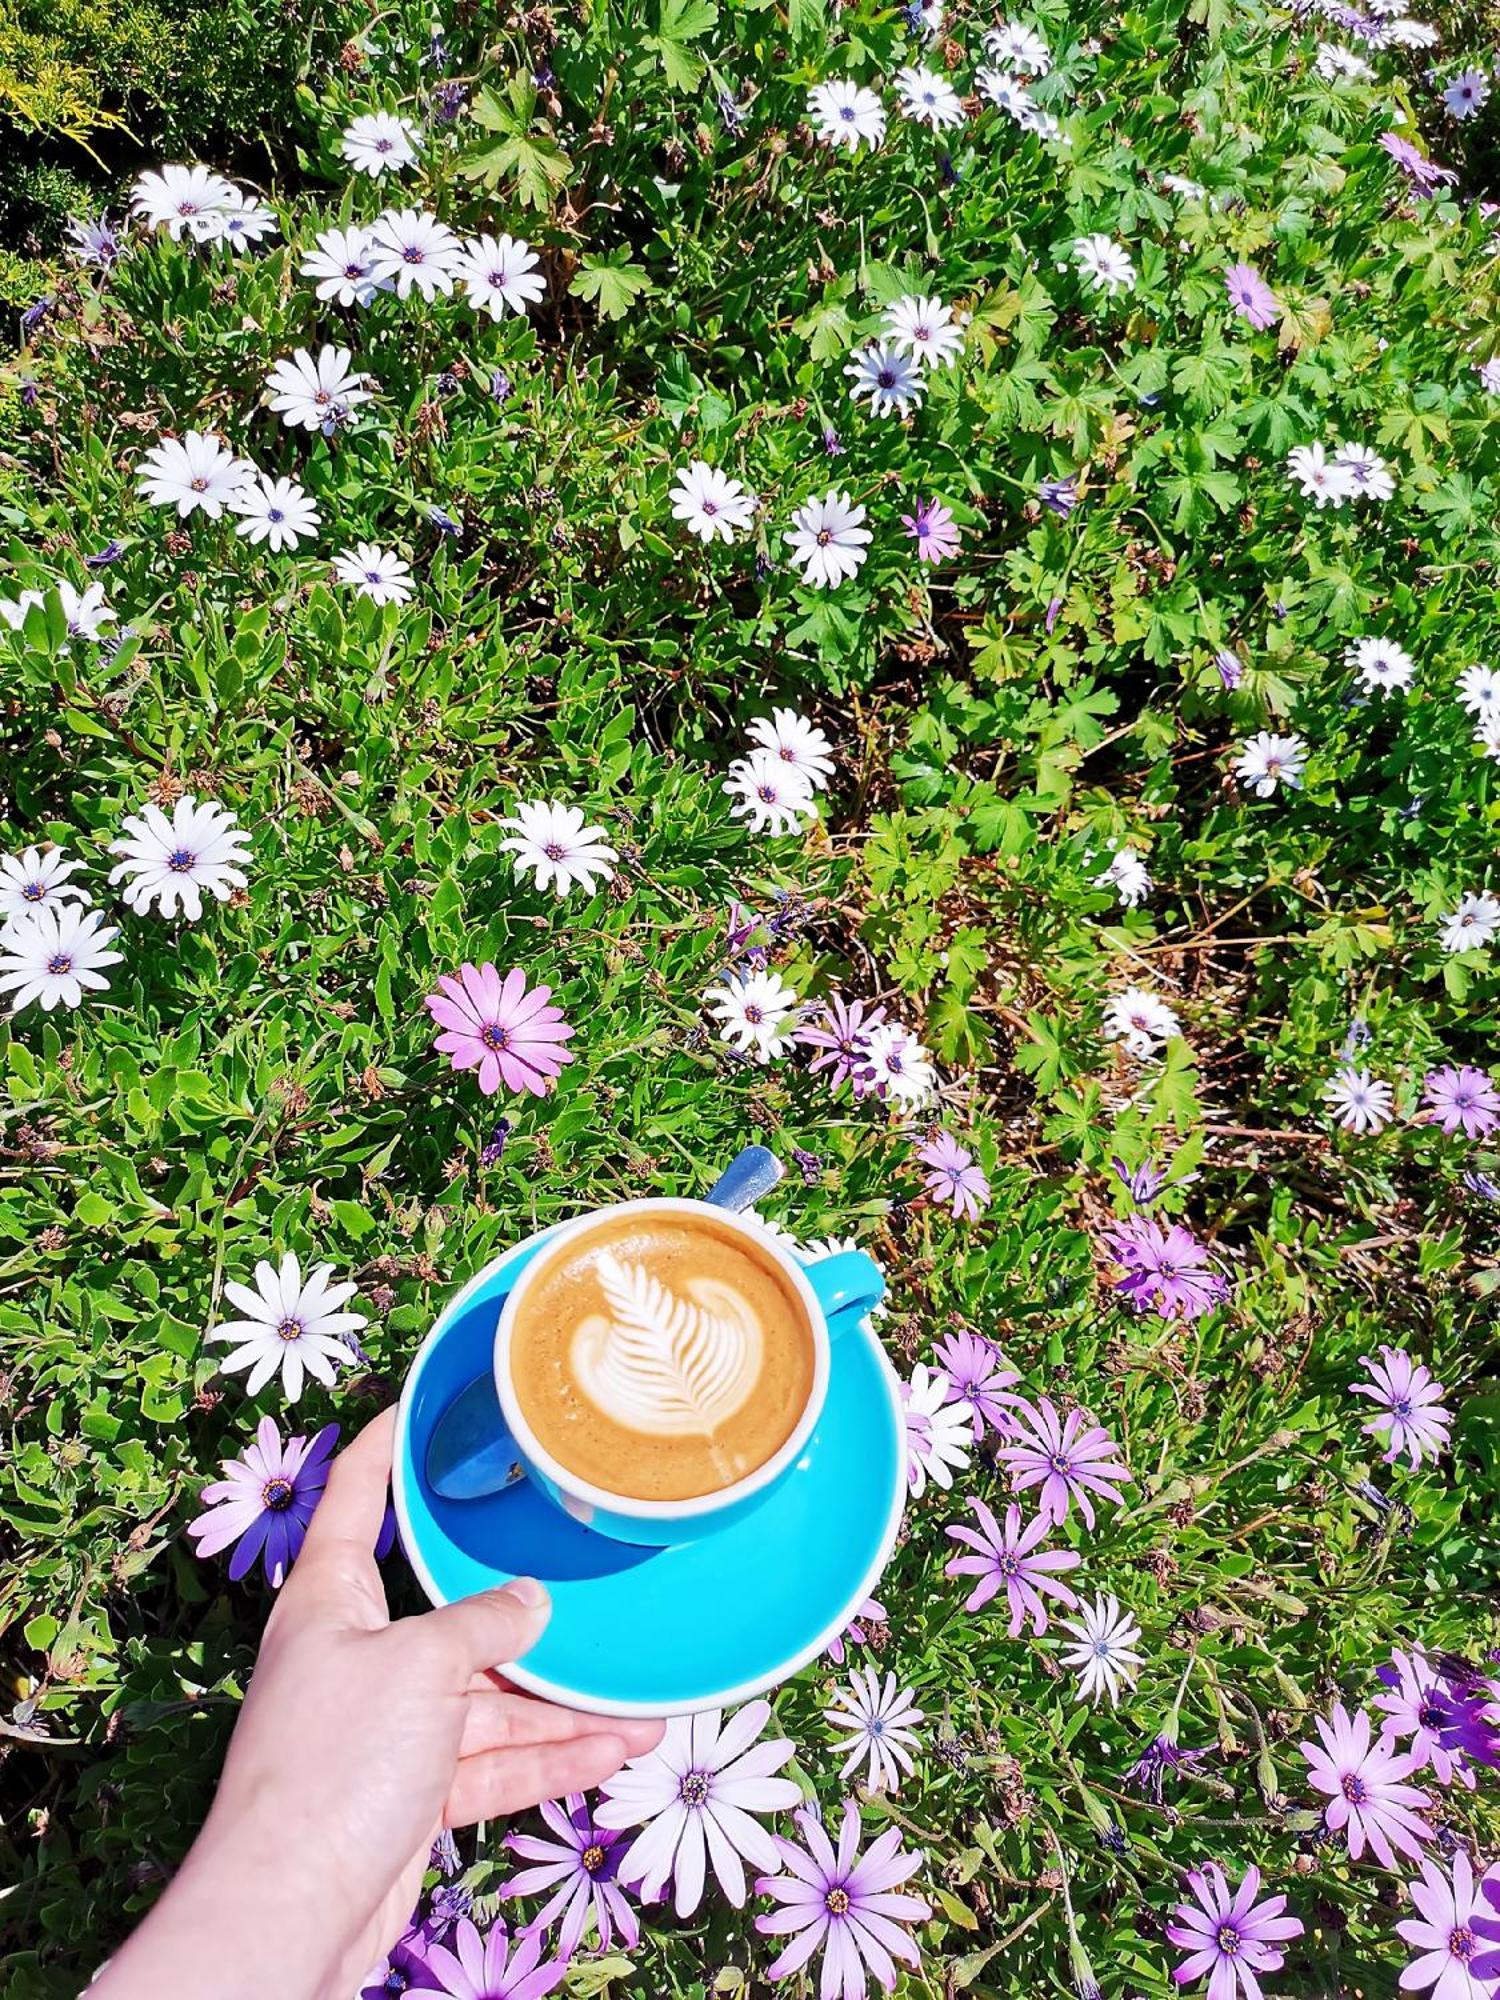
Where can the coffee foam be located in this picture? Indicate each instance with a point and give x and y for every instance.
(661, 1356)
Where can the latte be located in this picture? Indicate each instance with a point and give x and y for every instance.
(659, 1357)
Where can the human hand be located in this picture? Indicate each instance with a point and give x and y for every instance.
(359, 1740)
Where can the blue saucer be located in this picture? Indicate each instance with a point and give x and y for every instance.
(638, 1631)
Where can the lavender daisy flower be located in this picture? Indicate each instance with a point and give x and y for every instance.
(954, 1178)
(1143, 1183)
(694, 1796)
(449, 1904)
(978, 1376)
(1059, 496)
(843, 1904)
(873, 1611)
(937, 1440)
(934, 531)
(1364, 1781)
(1451, 1921)
(1163, 1270)
(404, 1969)
(1424, 174)
(1148, 1774)
(265, 1501)
(1411, 1406)
(102, 558)
(489, 1969)
(1010, 1557)
(1068, 1458)
(581, 1867)
(841, 1035)
(1250, 295)
(1230, 1937)
(1461, 1097)
(1449, 1729)
(444, 1855)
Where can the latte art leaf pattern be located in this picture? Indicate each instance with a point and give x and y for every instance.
(663, 1363)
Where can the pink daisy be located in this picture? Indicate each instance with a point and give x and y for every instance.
(1069, 1458)
(1364, 1783)
(511, 1034)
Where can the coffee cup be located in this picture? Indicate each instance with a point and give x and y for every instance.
(661, 1364)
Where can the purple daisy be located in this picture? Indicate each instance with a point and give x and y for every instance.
(954, 1178)
(1059, 496)
(1163, 1270)
(1368, 1798)
(1449, 1930)
(1411, 1401)
(489, 1969)
(844, 1904)
(1250, 295)
(1424, 174)
(404, 1969)
(873, 1611)
(1229, 1936)
(1148, 1774)
(1068, 1457)
(1460, 1096)
(842, 1038)
(978, 1374)
(934, 531)
(1448, 1728)
(496, 1024)
(581, 1867)
(1010, 1557)
(265, 1501)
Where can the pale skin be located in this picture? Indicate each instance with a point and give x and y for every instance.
(360, 1739)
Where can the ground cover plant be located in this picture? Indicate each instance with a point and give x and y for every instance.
(915, 585)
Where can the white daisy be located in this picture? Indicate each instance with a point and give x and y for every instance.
(1369, 477)
(710, 504)
(556, 844)
(310, 392)
(87, 611)
(897, 1067)
(928, 99)
(753, 1012)
(343, 264)
(1140, 1020)
(1479, 690)
(292, 1327)
(413, 251)
(694, 1796)
(797, 742)
(827, 541)
(1471, 926)
(939, 1434)
(501, 274)
(1487, 732)
(1003, 91)
(1489, 375)
(1467, 93)
(774, 796)
(1183, 188)
(244, 223)
(1267, 760)
(194, 473)
(1105, 1659)
(277, 511)
(846, 114)
(891, 381)
(875, 1719)
(1360, 1102)
(182, 200)
(1321, 478)
(1128, 875)
(13, 610)
(925, 329)
(1104, 263)
(1019, 49)
(1381, 664)
(1408, 34)
(1333, 62)
(170, 862)
(379, 143)
(377, 573)
(36, 879)
(51, 953)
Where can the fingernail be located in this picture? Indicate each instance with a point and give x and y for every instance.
(526, 1590)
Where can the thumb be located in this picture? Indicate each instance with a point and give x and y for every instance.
(494, 1627)
(347, 1518)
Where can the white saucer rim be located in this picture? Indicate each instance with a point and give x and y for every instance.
(538, 1684)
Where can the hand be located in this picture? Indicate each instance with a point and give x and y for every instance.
(358, 1741)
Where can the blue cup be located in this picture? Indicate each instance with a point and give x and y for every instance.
(836, 1292)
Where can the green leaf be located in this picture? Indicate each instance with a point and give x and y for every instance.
(534, 160)
(613, 282)
(680, 23)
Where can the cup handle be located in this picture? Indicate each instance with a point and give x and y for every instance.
(848, 1285)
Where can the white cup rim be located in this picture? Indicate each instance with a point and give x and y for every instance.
(600, 1498)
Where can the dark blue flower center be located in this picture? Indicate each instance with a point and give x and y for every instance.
(494, 1036)
(1353, 1789)
(59, 964)
(1228, 1940)
(33, 892)
(694, 1788)
(277, 1494)
(290, 1329)
(1462, 1943)
(180, 860)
